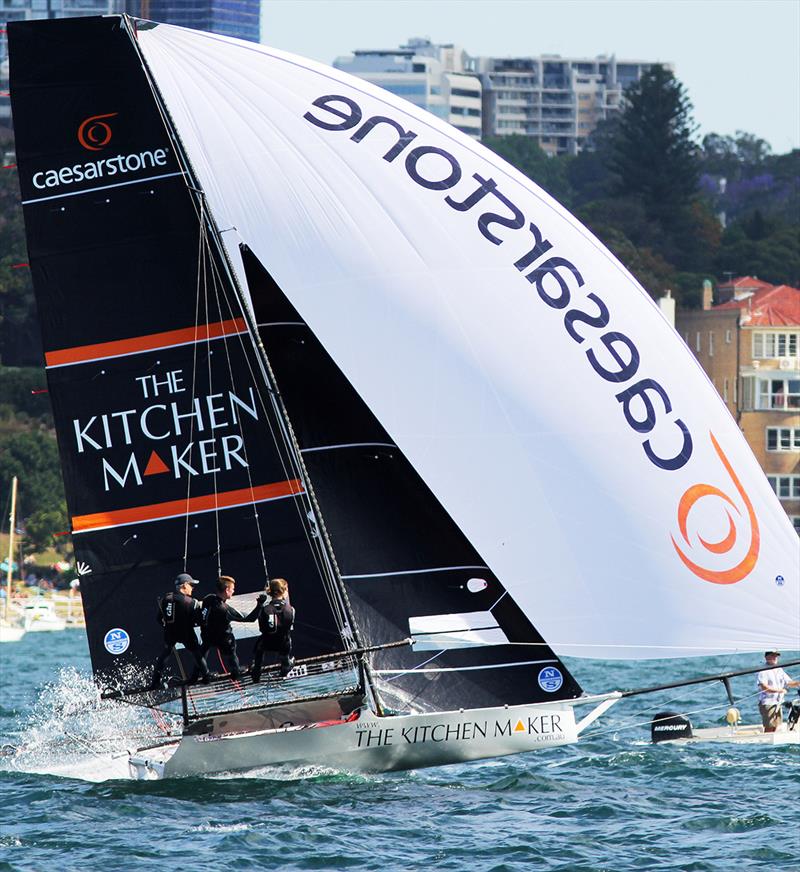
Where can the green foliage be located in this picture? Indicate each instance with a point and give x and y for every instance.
(770, 252)
(41, 529)
(653, 153)
(20, 403)
(20, 342)
(524, 153)
(33, 458)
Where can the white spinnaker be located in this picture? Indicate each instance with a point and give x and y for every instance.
(473, 374)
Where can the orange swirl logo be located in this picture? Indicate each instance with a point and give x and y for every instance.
(94, 133)
(700, 491)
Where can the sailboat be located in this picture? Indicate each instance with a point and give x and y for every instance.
(11, 630)
(297, 327)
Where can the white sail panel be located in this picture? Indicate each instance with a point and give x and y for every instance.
(522, 370)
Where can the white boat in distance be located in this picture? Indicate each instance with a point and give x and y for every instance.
(296, 326)
(39, 616)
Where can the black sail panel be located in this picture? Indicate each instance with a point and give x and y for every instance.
(166, 430)
(406, 566)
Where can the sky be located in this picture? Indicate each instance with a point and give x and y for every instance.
(738, 59)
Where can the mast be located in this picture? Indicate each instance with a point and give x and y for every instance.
(12, 519)
(351, 636)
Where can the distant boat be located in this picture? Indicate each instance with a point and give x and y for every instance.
(39, 616)
(296, 326)
(11, 627)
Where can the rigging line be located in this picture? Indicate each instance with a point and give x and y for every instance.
(491, 607)
(285, 453)
(338, 592)
(414, 668)
(194, 386)
(206, 257)
(219, 284)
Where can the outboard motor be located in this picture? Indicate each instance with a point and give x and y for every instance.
(670, 725)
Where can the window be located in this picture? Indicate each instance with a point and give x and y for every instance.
(783, 438)
(795, 519)
(699, 341)
(772, 345)
(779, 393)
(787, 487)
(725, 390)
(464, 92)
(710, 343)
(728, 337)
(735, 391)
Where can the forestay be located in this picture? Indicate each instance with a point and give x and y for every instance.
(527, 377)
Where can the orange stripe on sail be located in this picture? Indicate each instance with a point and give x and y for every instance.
(177, 508)
(151, 342)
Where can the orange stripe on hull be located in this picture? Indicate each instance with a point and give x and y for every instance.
(178, 508)
(138, 344)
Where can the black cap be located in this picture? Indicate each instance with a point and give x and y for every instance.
(185, 578)
(772, 653)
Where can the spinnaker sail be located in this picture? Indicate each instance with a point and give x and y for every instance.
(523, 372)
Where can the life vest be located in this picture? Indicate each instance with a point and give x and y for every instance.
(276, 619)
(216, 623)
(179, 613)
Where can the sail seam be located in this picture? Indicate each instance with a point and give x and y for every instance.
(348, 445)
(102, 188)
(463, 668)
(413, 571)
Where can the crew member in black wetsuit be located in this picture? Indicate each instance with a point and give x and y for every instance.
(275, 620)
(179, 613)
(216, 627)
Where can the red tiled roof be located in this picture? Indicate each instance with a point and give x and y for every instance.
(745, 283)
(768, 305)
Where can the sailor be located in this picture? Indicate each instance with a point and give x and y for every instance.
(275, 620)
(179, 613)
(216, 629)
(772, 683)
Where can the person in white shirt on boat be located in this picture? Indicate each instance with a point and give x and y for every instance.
(772, 684)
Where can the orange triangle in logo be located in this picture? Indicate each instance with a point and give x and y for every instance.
(155, 465)
(520, 727)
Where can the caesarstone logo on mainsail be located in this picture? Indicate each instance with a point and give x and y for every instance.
(717, 550)
(94, 133)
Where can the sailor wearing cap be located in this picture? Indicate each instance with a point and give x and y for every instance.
(772, 683)
(179, 613)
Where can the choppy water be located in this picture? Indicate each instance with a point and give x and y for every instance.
(612, 802)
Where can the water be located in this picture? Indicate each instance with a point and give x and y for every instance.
(612, 802)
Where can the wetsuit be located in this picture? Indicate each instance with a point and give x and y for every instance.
(216, 630)
(179, 614)
(275, 620)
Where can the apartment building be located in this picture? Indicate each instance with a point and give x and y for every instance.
(433, 77)
(557, 101)
(749, 344)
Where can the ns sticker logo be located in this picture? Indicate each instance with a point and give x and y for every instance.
(735, 535)
(94, 133)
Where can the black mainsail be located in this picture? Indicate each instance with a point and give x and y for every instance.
(171, 449)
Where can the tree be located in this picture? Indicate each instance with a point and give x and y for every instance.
(523, 152)
(654, 156)
(33, 458)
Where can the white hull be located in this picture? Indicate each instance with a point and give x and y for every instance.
(42, 618)
(748, 734)
(10, 632)
(370, 744)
